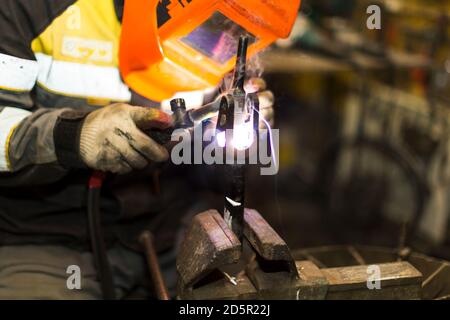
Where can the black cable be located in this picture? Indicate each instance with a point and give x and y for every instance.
(101, 261)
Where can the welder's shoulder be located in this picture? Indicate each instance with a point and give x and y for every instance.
(21, 21)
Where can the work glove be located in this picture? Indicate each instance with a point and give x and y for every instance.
(112, 138)
(253, 85)
(266, 101)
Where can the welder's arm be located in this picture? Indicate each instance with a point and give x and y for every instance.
(27, 148)
(43, 146)
(112, 139)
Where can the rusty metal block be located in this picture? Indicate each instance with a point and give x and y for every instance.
(398, 280)
(312, 284)
(271, 269)
(266, 242)
(208, 244)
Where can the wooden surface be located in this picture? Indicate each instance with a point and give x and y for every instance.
(392, 274)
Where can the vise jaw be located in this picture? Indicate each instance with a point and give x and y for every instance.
(213, 265)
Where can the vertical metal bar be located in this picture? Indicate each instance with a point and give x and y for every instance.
(241, 65)
(235, 200)
(161, 291)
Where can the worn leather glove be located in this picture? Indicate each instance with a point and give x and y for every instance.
(266, 100)
(112, 138)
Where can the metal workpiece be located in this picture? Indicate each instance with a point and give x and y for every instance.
(235, 199)
(240, 69)
(235, 112)
(208, 245)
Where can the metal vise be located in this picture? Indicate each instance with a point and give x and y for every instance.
(212, 264)
(264, 269)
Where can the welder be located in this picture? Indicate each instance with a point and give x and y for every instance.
(80, 83)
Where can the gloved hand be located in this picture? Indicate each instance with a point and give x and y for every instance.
(253, 85)
(112, 138)
(266, 100)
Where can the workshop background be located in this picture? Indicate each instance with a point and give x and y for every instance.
(364, 128)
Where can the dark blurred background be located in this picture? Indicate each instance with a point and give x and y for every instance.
(364, 127)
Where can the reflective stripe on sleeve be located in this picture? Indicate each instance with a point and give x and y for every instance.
(81, 80)
(17, 74)
(9, 119)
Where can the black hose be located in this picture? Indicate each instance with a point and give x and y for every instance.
(101, 261)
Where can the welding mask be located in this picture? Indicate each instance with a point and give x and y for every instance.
(170, 46)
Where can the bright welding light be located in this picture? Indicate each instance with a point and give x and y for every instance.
(243, 137)
(221, 139)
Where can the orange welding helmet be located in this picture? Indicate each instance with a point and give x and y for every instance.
(170, 46)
